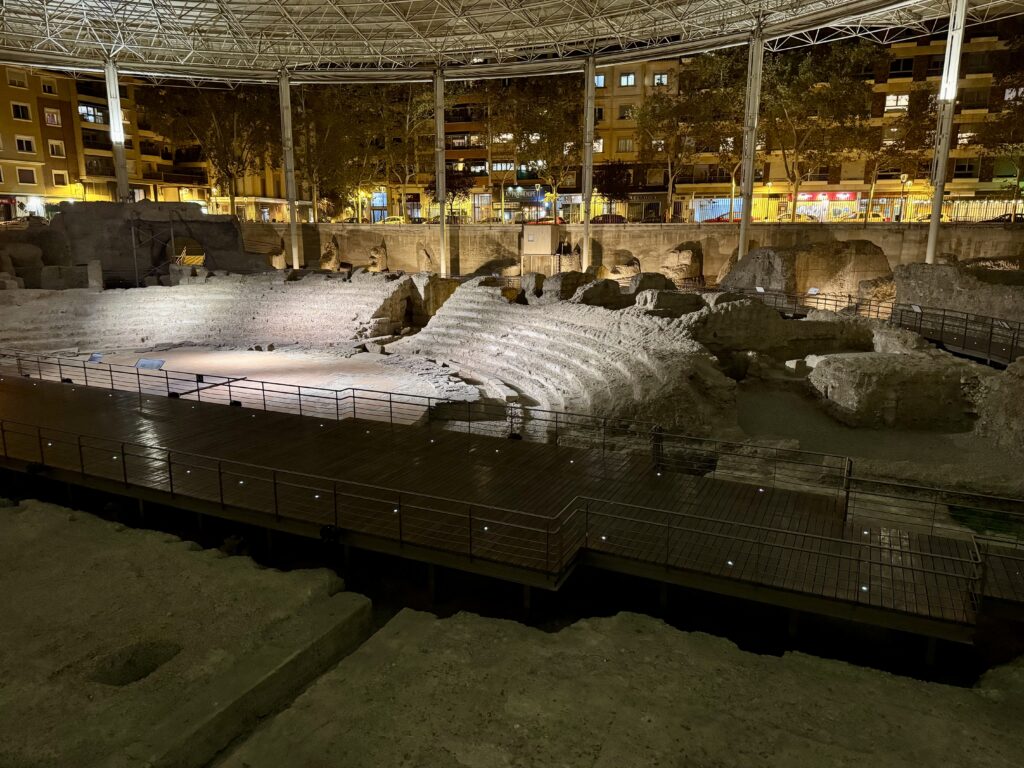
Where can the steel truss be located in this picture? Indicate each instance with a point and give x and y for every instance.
(395, 40)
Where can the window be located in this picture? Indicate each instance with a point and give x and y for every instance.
(624, 145)
(91, 113)
(658, 145)
(52, 116)
(599, 145)
(26, 175)
(25, 144)
(889, 136)
(56, 148)
(901, 68)
(964, 138)
(627, 79)
(965, 169)
(49, 85)
(655, 177)
(599, 81)
(976, 98)
(20, 111)
(661, 78)
(897, 102)
(60, 178)
(625, 112)
(935, 65)
(503, 138)
(1013, 94)
(598, 114)
(501, 166)
(16, 78)
(976, 63)
(533, 138)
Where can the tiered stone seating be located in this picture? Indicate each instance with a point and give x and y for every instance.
(577, 358)
(224, 311)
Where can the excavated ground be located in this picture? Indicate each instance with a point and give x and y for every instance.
(624, 692)
(105, 630)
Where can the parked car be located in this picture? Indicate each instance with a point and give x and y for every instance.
(801, 218)
(354, 220)
(608, 218)
(854, 216)
(548, 220)
(1006, 218)
(451, 218)
(724, 219)
(417, 220)
(928, 217)
(652, 218)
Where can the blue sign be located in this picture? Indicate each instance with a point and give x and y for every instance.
(95, 357)
(149, 363)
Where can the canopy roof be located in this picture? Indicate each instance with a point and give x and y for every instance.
(338, 40)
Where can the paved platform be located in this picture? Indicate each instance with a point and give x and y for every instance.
(515, 509)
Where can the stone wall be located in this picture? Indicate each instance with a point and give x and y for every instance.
(485, 249)
(85, 232)
(953, 287)
(317, 311)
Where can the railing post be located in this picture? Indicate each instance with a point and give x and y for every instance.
(401, 533)
(124, 465)
(263, 392)
(273, 483)
(353, 396)
(991, 333)
(39, 368)
(334, 501)
(110, 373)
(471, 532)
(847, 472)
(604, 436)
(3, 437)
(391, 410)
(170, 474)
(547, 546)
(220, 482)
(337, 407)
(556, 427)
(60, 372)
(42, 451)
(469, 418)
(300, 399)
(230, 398)
(138, 386)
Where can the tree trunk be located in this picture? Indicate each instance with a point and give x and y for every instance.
(871, 198)
(732, 198)
(231, 196)
(670, 197)
(794, 185)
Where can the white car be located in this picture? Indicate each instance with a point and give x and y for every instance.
(801, 218)
(855, 217)
(393, 220)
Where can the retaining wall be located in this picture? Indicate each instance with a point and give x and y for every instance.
(486, 249)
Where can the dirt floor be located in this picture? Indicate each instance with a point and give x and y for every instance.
(363, 370)
(88, 608)
(946, 459)
(624, 692)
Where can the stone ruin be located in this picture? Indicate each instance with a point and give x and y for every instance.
(832, 268)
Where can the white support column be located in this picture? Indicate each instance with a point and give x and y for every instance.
(116, 130)
(755, 65)
(588, 160)
(944, 129)
(439, 186)
(285, 99)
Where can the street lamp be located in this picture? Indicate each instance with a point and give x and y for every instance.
(904, 179)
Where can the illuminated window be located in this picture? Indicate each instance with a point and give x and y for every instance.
(51, 116)
(661, 78)
(897, 102)
(625, 112)
(599, 81)
(624, 145)
(599, 145)
(627, 79)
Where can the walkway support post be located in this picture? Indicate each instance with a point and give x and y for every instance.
(285, 99)
(588, 161)
(116, 130)
(944, 129)
(755, 65)
(441, 191)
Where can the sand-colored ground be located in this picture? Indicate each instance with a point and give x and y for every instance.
(87, 605)
(624, 692)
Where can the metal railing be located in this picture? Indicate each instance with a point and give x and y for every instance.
(841, 568)
(616, 443)
(988, 338)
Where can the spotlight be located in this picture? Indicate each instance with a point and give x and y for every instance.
(730, 563)
(316, 495)
(241, 482)
(604, 538)
(864, 588)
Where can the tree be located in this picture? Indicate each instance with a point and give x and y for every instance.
(699, 114)
(337, 147)
(614, 179)
(238, 129)
(1001, 137)
(403, 116)
(815, 107)
(903, 142)
(457, 186)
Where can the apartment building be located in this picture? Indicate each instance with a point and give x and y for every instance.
(55, 147)
(39, 149)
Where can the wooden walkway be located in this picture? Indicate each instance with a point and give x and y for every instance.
(522, 505)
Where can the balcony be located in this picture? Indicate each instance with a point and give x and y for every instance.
(179, 179)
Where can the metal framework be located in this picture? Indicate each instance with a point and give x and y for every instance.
(343, 41)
